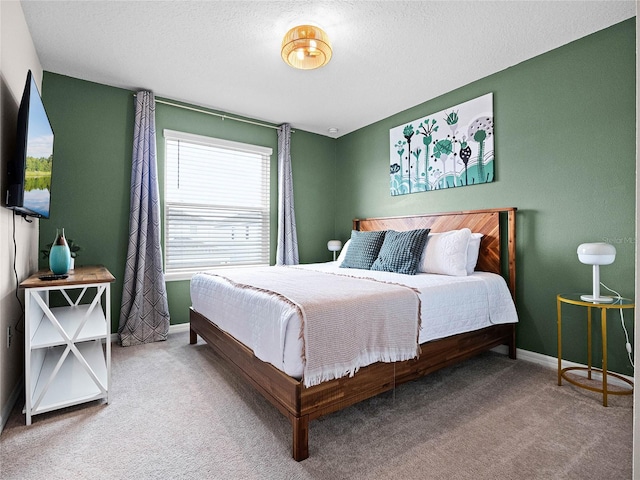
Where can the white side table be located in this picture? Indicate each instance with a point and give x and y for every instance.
(67, 348)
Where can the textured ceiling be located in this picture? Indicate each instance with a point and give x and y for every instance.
(387, 55)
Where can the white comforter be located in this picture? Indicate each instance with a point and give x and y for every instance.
(271, 327)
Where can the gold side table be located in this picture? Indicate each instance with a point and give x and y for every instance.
(574, 299)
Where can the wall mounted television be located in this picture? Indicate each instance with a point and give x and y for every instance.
(29, 171)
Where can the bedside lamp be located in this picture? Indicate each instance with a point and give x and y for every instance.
(596, 254)
(334, 246)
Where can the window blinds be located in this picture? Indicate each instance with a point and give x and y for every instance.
(216, 203)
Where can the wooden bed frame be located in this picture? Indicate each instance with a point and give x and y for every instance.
(301, 404)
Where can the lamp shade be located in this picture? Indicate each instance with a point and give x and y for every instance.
(334, 245)
(306, 47)
(598, 253)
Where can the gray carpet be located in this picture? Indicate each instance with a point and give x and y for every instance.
(178, 412)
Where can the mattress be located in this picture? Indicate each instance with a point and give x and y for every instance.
(271, 327)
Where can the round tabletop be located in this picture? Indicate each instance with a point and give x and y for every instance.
(575, 299)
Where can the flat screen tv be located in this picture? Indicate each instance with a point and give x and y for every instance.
(29, 171)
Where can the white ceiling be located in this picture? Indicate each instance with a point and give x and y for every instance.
(387, 55)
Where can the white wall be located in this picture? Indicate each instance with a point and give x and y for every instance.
(17, 56)
(636, 341)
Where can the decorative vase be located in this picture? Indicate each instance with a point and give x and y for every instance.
(60, 255)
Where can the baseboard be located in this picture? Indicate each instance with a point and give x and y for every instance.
(180, 327)
(552, 363)
(8, 408)
(524, 355)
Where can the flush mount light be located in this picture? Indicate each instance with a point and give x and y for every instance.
(306, 47)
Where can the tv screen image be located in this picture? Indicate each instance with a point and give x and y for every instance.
(29, 190)
(37, 174)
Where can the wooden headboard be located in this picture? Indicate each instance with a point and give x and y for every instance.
(487, 222)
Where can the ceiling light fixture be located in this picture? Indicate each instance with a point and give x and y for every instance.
(306, 47)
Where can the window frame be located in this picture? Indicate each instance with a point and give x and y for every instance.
(176, 274)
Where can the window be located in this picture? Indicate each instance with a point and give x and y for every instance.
(216, 204)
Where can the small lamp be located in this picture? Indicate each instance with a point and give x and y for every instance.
(596, 254)
(334, 246)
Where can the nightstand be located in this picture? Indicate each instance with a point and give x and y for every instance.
(67, 348)
(574, 299)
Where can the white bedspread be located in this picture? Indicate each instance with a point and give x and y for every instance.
(271, 327)
(347, 322)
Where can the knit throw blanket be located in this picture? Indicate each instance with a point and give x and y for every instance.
(346, 322)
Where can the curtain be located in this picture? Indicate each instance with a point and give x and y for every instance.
(144, 316)
(287, 249)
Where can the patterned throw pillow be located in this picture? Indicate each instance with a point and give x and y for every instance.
(401, 251)
(363, 249)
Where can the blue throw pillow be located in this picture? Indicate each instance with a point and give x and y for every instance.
(401, 251)
(363, 249)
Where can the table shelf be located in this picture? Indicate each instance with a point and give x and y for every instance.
(70, 318)
(72, 384)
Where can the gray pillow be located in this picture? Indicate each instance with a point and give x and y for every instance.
(401, 251)
(363, 249)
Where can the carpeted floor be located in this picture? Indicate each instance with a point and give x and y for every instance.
(178, 412)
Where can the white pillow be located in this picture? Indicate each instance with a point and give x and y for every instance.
(343, 252)
(473, 250)
(446, 253)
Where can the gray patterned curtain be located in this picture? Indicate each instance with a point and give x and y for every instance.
(287, 249)
(144, 316)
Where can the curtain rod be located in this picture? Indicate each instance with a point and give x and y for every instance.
(220, 115)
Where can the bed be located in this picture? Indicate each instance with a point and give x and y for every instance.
(302, 403)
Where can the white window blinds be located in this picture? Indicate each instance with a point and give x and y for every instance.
(216, 203)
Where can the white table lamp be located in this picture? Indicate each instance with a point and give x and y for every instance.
(596, 254)
(334, 246)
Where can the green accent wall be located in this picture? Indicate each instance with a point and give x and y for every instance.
(93, 127)
(565, 157)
